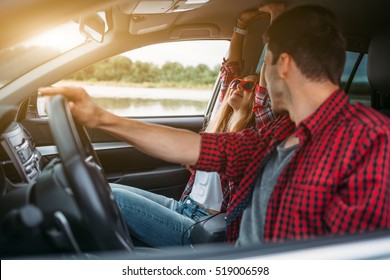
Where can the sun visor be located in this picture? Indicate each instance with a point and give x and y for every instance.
(147, 7)
(143, 24)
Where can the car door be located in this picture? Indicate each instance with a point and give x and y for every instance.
(172, 106)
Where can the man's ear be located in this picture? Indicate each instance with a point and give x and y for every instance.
(284, 65)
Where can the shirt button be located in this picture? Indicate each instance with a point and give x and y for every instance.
(188, 201)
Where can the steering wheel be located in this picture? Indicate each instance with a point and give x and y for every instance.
(87, 179)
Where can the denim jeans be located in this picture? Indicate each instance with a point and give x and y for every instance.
(157, 220)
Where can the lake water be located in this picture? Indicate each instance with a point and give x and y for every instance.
(128, 101)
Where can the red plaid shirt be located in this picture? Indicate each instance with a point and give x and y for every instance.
(263, 115)
(262, 107)
(338, 180)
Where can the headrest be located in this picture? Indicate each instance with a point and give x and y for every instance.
(379, 61)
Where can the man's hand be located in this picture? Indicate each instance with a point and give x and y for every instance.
(83, 109)
(166, 143)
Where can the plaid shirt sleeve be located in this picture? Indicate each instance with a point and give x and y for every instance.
(229, 71)
(362, 202)
(228, 153)
(262, 107)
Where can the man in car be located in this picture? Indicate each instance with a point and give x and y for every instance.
(321, 167)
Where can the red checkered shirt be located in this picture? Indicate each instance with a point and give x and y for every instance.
(263, 115)
(338, 180)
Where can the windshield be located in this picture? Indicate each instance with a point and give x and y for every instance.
(23, 57)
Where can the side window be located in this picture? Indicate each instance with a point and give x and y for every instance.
(167, 79)
(359, 88)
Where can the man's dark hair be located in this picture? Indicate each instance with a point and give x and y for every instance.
(312, 35)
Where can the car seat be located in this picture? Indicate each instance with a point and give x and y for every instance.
(379, 69)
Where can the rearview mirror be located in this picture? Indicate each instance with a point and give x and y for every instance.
(93, 27)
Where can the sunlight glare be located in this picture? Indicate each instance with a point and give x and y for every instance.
(61, 38)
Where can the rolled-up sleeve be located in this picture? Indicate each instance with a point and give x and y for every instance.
(228, 153)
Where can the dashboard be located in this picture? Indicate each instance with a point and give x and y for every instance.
(19, 157)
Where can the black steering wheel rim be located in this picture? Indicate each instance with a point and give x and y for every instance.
(86, 179)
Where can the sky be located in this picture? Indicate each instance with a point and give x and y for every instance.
(210, 53)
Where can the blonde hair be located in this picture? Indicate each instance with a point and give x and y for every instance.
(223, 120)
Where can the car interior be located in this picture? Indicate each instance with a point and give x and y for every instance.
(54, 174)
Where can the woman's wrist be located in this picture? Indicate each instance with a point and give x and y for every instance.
(241, 24)
(237, 30)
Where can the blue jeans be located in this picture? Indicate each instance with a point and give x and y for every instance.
(157, 220)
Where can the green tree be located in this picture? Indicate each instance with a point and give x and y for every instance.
(144, 72)
(172, 72)
(121, 68)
